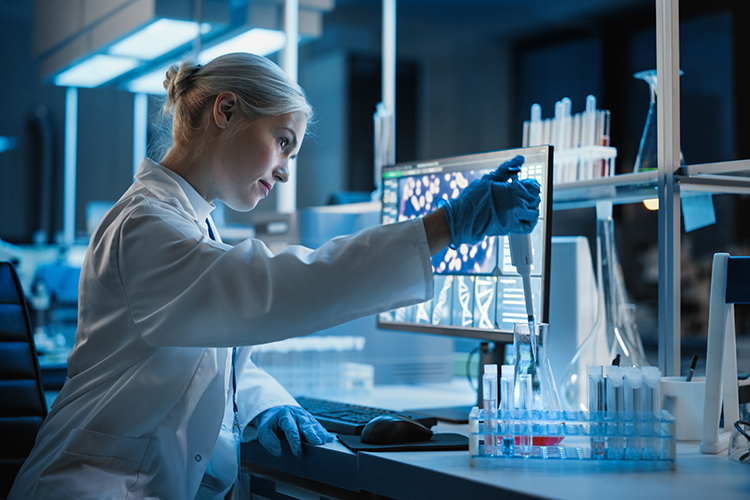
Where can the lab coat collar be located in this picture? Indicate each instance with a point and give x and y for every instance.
(154, 174)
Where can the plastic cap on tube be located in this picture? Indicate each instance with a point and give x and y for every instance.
(614, 375)
(651, 375)
(507, 371)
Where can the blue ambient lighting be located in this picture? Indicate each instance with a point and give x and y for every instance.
(95, 71)
(158, 38)
(149, 83)
(257, 41)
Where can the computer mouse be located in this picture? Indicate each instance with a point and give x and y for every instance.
(394, 429)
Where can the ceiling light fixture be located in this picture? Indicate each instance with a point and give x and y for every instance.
(95, 70)
(158, 38)
(257, 41)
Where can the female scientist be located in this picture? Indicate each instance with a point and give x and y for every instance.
(156, 398)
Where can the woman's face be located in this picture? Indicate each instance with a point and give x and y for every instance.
(251, 159)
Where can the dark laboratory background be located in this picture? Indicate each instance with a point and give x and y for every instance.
(468, 72)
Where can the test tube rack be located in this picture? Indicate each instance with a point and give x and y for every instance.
(577, 436)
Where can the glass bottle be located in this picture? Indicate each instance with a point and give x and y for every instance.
(646, 159)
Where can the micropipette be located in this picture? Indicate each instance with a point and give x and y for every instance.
(522, 258)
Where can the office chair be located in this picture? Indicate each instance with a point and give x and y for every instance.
(22, 403)
(730, 284)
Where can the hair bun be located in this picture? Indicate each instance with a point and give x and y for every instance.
(178, 81)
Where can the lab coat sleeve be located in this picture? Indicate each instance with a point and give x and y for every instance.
(184, 290)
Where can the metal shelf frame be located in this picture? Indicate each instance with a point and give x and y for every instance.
(667, 183)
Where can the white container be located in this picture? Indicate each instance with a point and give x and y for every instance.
(685, 400)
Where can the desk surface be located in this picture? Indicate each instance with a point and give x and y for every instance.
(431, 475)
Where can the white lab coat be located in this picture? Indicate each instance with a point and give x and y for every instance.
(159, 306)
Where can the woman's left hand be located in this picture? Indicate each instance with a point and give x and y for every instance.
(294, 422)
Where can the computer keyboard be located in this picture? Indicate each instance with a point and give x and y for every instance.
(345, 418)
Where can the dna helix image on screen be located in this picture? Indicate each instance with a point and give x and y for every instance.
(477, 289)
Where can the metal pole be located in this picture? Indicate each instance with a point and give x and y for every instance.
(388, 83)
(140, 129)
(71, 144)
(286, 201)
(668, 161)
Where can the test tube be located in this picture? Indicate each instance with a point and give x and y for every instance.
(633, 382)
(615, 407)
(524, 407)
(652, 405)
(602, 136)
(506, 405)
(489, 393)
(596, 408)
(535, 131)
(526, 134)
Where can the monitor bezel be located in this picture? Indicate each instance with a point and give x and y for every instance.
(504, 336)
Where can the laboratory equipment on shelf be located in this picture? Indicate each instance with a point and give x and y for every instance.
(646, 159)
(581, 141)
(614, 332)
(622, 334)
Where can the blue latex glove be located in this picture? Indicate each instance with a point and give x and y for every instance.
(294, 422)
(493, 206)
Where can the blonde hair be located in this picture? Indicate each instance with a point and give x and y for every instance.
(261, 87)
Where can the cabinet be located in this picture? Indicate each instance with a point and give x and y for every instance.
(669, 182)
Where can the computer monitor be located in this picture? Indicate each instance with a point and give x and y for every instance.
(478, 293)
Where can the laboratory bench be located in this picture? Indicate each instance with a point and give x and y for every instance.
(332, 471)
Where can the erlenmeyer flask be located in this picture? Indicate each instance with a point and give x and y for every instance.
(622, 336)
(646, 159)
(593, 351)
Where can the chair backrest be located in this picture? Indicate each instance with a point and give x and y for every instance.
(22, 403)
(730, 284)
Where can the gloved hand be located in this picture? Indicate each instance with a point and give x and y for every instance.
(493, 206)
(291, 420)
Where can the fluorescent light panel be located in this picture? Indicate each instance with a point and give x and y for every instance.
(150, 83)
(95, 71)
(257, 41)
(158, 38)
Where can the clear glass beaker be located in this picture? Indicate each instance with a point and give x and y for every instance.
(646, 159)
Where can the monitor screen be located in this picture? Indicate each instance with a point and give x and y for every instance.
(478, 293)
